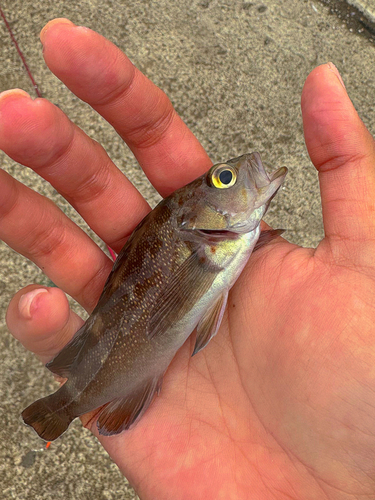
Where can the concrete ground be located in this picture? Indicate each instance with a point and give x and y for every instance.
(234, 70)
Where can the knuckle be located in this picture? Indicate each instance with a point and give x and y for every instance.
(152, 131)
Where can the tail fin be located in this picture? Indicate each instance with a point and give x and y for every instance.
(47, 423)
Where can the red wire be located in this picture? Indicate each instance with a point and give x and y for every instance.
(35, 85)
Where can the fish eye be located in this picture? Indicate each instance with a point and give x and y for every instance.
(223, 176)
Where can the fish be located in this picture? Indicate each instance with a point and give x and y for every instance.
(171, 278)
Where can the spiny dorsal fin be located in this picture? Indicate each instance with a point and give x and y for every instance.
(210, 322)
(63, 361)
(121, 413)
(86, 353)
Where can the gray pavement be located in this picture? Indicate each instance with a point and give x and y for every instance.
(234, 70)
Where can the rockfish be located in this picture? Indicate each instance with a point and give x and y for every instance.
(172, 277)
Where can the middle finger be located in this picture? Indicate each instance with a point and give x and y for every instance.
(101, 75)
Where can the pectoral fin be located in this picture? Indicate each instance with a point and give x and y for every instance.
(121, 413)
(190, 282)
(267, 236)
(210, 322)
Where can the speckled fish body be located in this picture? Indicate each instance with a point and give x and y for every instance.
(172, 276)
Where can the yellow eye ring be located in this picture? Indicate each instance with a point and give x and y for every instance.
(223, 176)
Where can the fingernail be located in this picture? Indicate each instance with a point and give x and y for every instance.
(59, 20)
(28, 302)
(336, 71)
(8, 97)
(17, 93)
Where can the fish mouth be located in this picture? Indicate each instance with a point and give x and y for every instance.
(215, 235)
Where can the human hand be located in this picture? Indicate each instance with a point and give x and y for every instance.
(281, 402)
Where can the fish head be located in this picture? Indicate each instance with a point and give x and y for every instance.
(232, 196)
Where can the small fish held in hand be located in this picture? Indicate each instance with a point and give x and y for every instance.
(172, 277)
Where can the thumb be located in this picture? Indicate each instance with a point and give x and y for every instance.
(343, 151)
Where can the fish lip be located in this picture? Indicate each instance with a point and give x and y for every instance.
(214, 235)
(219, 234)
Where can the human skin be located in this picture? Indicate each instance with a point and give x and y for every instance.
(281, 403)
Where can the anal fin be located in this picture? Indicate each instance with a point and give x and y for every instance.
(122, 413)
(210, 322)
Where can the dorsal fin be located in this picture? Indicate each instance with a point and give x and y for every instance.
(93, 341)
(62, 362)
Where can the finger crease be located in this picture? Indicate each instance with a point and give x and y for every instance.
(11, 201)
(92, 188)
(46, 241)
(59, 154)
(149, 134)
(335, 162)
(118, 92)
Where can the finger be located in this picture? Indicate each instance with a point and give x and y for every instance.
(37, 134)
(343, 152)
(40, 318)
(33, 226)
(100, 74)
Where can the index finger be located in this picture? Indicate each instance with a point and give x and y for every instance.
(101, 75)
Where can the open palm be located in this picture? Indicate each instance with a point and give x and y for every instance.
(281, 404)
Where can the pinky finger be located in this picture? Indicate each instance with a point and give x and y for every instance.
(41, 319)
